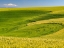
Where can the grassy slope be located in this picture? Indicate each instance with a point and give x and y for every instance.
(15, 20)
(58, 35)
(34, 31)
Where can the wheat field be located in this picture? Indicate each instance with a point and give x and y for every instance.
(15, 42)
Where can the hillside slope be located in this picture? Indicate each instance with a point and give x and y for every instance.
(19, 21)
(38, 27)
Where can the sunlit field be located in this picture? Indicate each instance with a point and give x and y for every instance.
(36, 27)
(16, 42)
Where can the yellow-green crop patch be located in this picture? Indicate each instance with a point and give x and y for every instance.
(15, 42)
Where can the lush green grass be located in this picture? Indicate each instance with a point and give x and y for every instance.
(31, 31)
(6, 15)
(15, 20)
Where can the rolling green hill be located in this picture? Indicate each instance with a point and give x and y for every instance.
(27, 27)
(15, 20)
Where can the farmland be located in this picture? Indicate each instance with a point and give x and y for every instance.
(15, 42)
(37, 27)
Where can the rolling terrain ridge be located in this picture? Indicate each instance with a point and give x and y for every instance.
(41, 25)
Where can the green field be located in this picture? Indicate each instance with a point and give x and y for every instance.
(41, 25)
